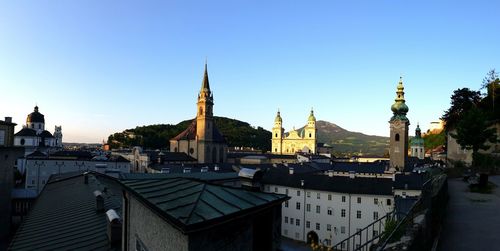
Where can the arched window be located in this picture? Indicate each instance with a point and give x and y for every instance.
(397, 137)
(201, 110)
(310, 135)
(275, 150)
(22, 142)
(175, 149)
(276, 135)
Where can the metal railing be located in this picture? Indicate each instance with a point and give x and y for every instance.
(362, 239)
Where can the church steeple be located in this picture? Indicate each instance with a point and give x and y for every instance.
(205, 86)
(399, 108)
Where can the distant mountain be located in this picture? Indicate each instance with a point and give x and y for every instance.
(347, 143)
(239, 133)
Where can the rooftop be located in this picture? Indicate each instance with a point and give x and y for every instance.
(64, 216)
(192, 205)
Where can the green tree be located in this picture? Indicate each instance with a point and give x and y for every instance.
(462, 100)
(473, 131)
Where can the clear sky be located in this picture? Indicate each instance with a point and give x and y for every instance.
(97, 67)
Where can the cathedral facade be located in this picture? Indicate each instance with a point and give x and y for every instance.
(33, 135)
(202, 140)
(294, 141)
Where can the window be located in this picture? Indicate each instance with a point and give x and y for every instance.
(328, 227)
(298, 192)
(330, 211)
(318, 196)
(275, 150)
(342, 213)
(343, 198)
(297, 222)
(317, 226)
(32, 182)
(286, 232)
(308, 224)
(389, 202)
(22, 142)
(2, 137)
(308, 194)
(342, 245)
(358, 231)
(318, 209)
(39, 126)
(291, 221)
(375, 201)
(286, 219)
(404, 193)
(286, 191)
(286, 203)
(375, 233)
(275, 189)
(357, 246)
(297, 235)
(308, 207)
(342, 230)
(359, 200)
(275, 135)
(310, 135)
(297, 205)
(328, 242)
(358, 214)
(397, 137)
(375, 215)
(329, 197)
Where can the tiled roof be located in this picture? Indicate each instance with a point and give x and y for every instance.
(206, 176)
(322, 182)
(192, 205)
(190, 133)
(64, 216)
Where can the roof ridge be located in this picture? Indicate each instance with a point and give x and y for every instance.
(197, 202)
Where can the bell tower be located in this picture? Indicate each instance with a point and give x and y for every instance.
(277, 137)
(204, 117)
(310, 132)
(399, 131)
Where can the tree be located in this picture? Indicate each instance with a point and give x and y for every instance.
(492, 85)
(462, 100)
(473, 131)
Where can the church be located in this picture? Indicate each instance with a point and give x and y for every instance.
(202, 140)
(33, 135)
(294, 141)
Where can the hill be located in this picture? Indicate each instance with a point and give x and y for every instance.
(347, 143)
(237, 133)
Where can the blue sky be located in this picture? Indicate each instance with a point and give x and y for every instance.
(97, 67)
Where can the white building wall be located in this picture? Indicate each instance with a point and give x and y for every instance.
(39, 171)
(330, 228)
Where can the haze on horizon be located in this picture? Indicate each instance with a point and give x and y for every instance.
(99, 67)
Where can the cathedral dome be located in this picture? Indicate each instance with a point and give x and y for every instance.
(311, 116)
(35, 117)
(399, 108)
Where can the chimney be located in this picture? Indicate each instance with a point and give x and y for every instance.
(99, 201)
(8, 119)
(290, 170)
(114, 227)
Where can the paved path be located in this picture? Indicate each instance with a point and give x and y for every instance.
(473, 220)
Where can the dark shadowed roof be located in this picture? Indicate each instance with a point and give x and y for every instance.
(359, 167)
(174, 157)
(322, 182)
(410, 181)
(206, 176)
(36, 154)
(193, 205)
(35, 117)
(28, 132)
(46, 134)
(64, 216)
(190, 133)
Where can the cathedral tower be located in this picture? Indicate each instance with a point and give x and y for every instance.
(399, 131)
(277, 137)
(417, 144)
(204, 118)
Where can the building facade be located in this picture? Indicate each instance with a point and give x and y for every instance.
(417, 144)
(33, 135)
(328, 209)
(399, 124)
(294, 141)
(202, 140)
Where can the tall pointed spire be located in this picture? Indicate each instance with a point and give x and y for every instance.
(399, 108)
(205, 86)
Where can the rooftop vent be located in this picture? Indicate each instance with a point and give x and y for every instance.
(114, 227)
(187, 170)
(165, 170)
(99, 201)
(352, 174)
(330, 173)
(216, 168)
(204, 169)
